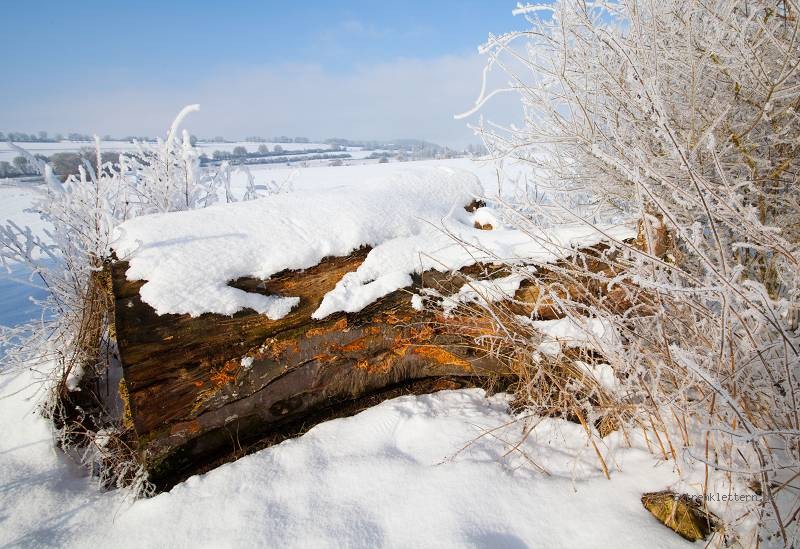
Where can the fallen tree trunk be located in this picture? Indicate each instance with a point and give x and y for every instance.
(199, 389)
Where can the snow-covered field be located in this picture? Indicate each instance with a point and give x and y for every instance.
(427, 471)
(328, 177)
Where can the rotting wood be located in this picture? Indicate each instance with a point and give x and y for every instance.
(197, 388)
(202, 390)
(682, 514)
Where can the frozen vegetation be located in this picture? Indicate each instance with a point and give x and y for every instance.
(647, 203)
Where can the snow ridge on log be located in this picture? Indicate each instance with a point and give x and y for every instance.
(188, 258)
(413, 221)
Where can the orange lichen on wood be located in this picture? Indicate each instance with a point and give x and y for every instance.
(393, 319)
(355, 346)
(441, 356)
(185, 427)
(275, 348)
(127, 417)
(226, 374)
(468, 326)
(324, 357)
(338, 326)
(415, 336)
(445, 385)
(380, 364)
(420, 333)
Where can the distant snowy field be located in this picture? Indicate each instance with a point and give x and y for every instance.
(410, 472)
(328, 177)
(7, 153)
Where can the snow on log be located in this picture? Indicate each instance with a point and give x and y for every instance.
(252, 321)
(202, 387)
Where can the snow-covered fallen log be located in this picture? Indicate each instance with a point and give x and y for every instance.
(199, 388)
(249, 322)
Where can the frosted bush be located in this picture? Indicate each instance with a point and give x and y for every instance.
(684, 115)
(166, 177)
(71, 344)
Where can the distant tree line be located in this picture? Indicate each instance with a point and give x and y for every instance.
(64, 164)
(394, 145)
(263, 151)
(404, 149)
(20, 137)
(259, 139)
(296, 156)
(44, 137)
(278, 139)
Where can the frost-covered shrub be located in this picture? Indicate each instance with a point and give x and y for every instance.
(81, 213)
(71, 344)
(683, 115)
(166, 177)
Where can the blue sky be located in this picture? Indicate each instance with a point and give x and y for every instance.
(357, 69)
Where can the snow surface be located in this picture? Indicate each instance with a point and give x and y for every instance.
(591, 333)
(16, 290)
(409, 217)
(391, 476)
(483, 292)
(602, 373)
(16, 294)
(320, 177)
(15, 200)
(189, 257)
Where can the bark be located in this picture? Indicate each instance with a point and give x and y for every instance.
(207, 389)
(192, 399)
